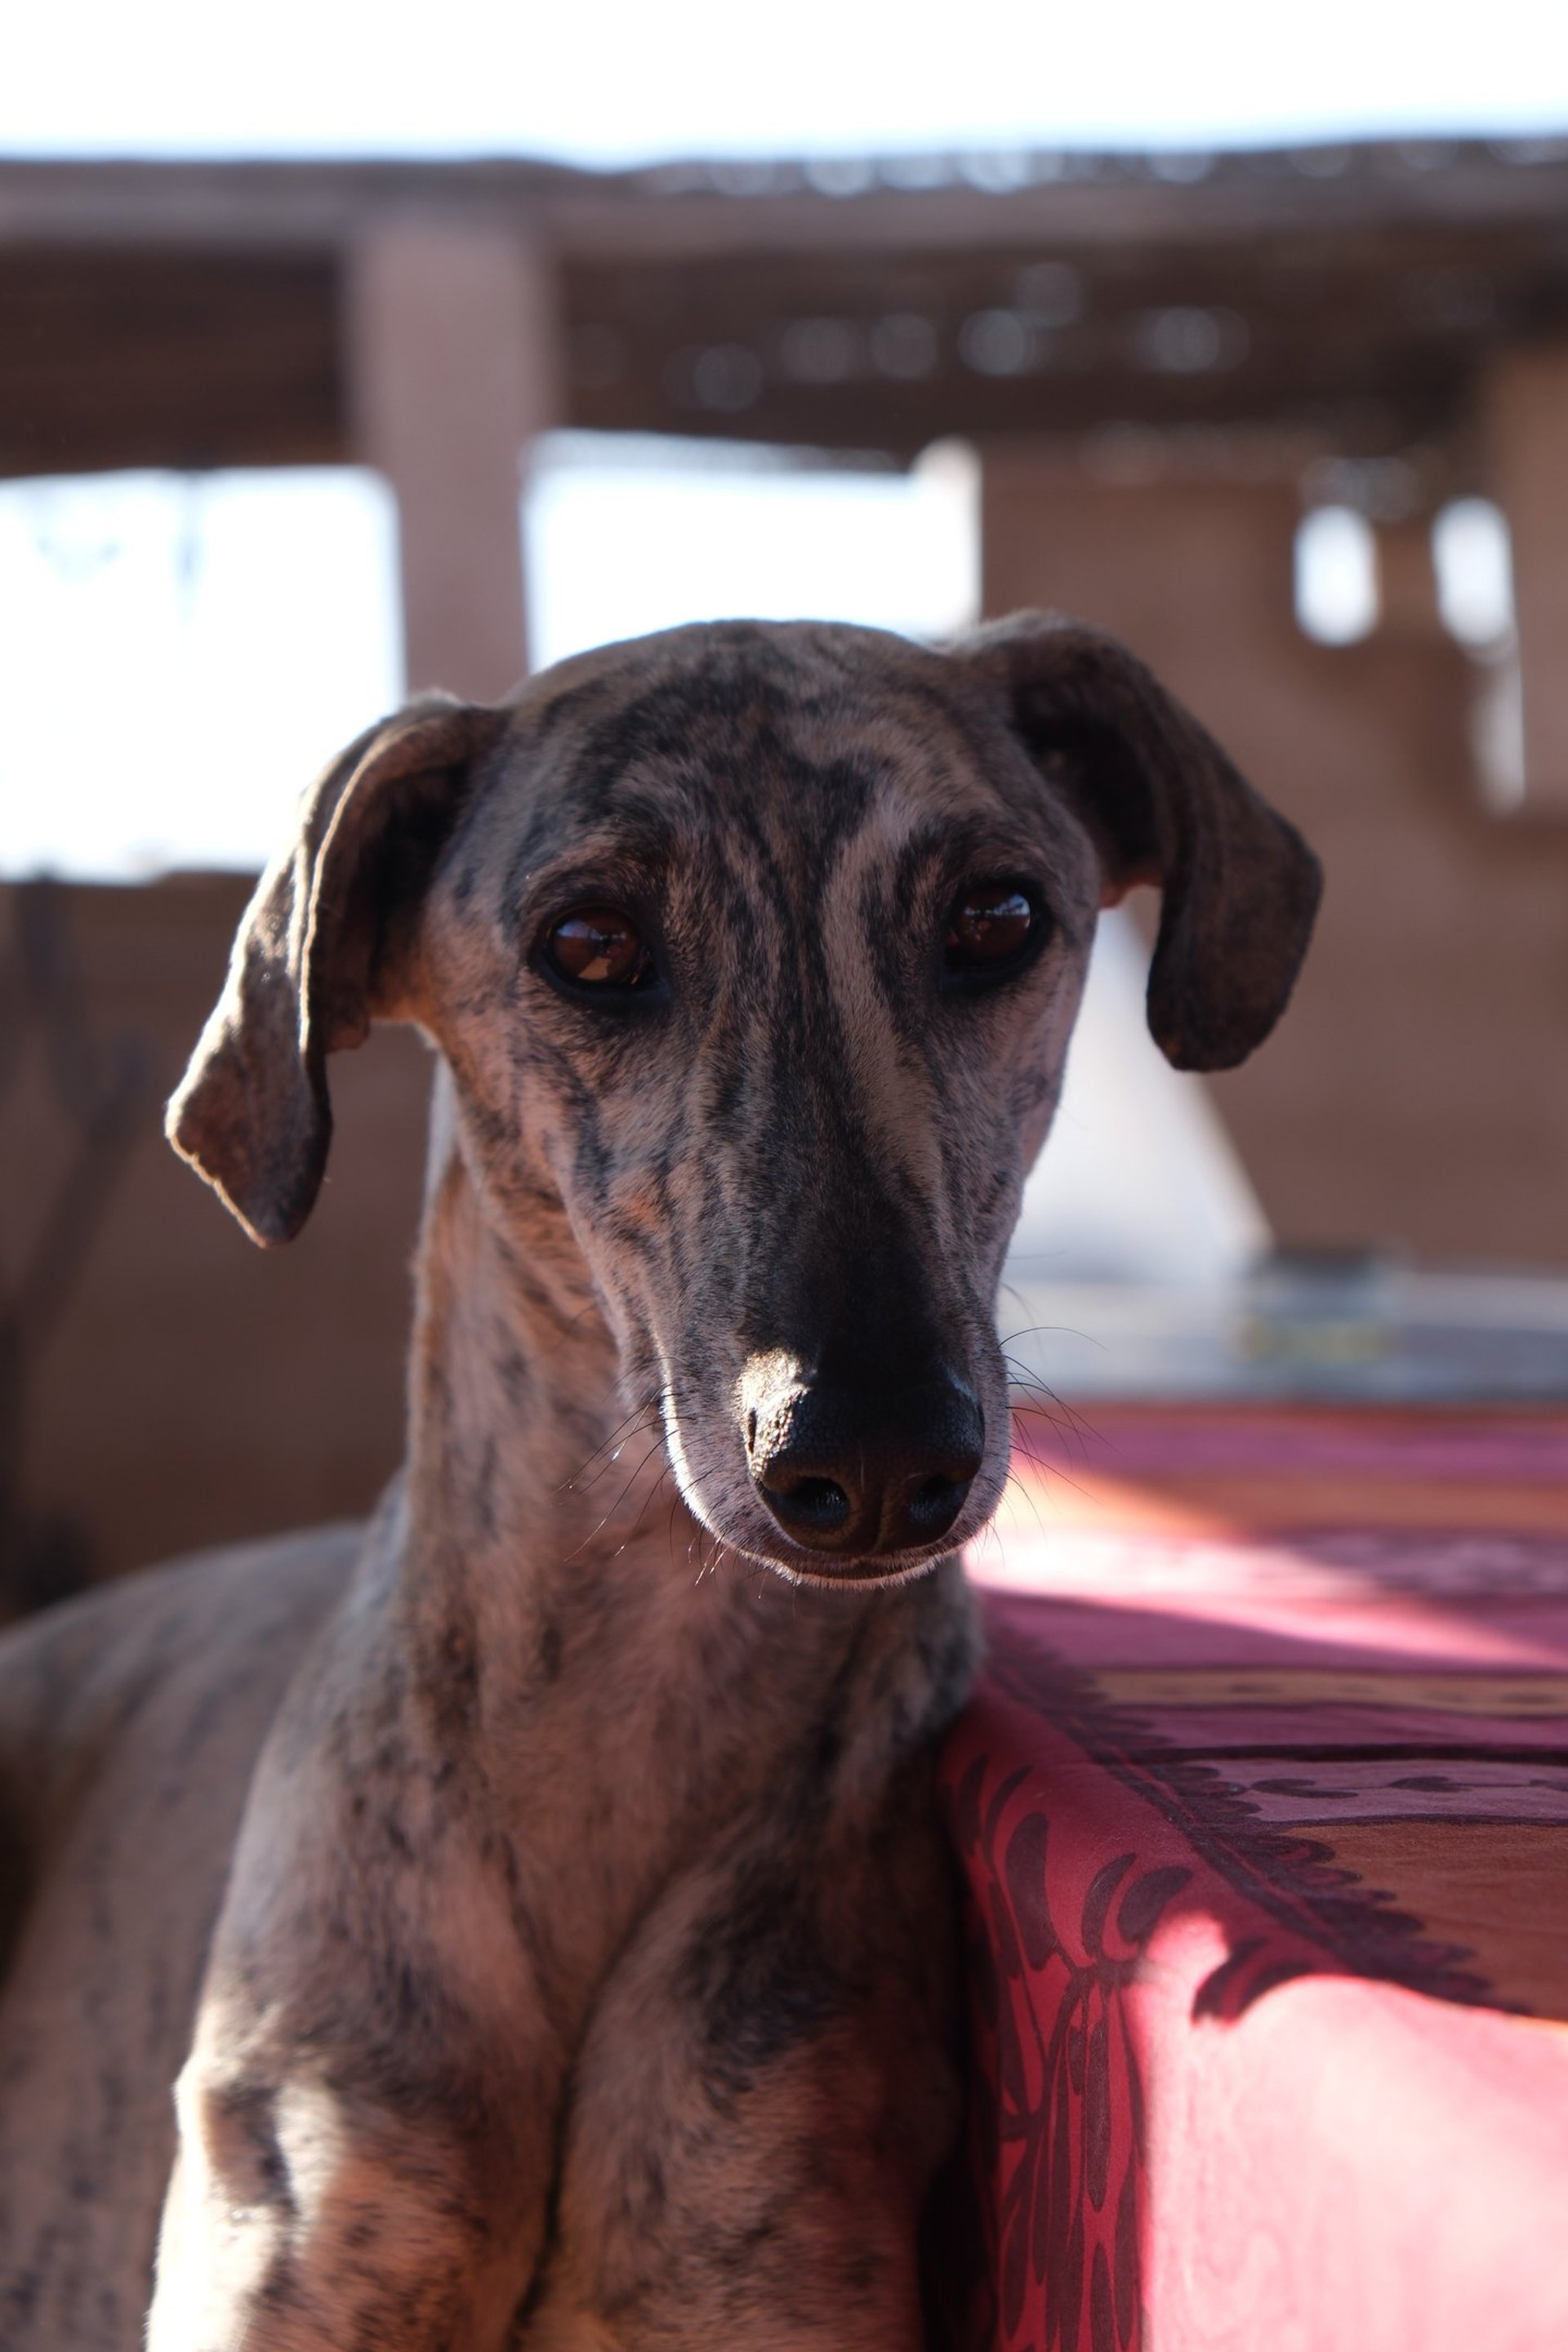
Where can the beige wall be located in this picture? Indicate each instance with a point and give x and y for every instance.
(1417, 1091)
(195, 1387)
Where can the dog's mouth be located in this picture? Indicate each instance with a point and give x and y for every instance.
(873, 1570)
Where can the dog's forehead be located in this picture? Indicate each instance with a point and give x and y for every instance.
(781, 732)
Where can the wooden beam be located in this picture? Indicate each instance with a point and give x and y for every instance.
(159, 358)
(691, 208)
(183, 314)
(1370, 343)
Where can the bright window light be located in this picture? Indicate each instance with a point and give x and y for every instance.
(628, 534)
(1336, 575)
(186, 652)
(183, 654)
(1471, 556)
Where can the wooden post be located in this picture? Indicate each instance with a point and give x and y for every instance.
(450, 335)
(1407, 582)
(1526, 424)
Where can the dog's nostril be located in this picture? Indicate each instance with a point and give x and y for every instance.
(936, 1503)
(867, 1471)
(820, 1504)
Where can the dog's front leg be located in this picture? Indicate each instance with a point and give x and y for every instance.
(287, 2230)
(335, 2196)
(367, 2115)
(314, 2205)
(760, 2106)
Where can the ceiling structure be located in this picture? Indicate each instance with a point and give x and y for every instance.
(189, 315)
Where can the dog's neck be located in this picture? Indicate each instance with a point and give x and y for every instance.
(551, 1629)
(521, 1448)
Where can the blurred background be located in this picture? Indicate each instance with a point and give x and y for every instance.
(359, 352)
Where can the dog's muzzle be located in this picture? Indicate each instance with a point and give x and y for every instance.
(864, 1472)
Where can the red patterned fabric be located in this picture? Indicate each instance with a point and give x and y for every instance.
(1263, 1809)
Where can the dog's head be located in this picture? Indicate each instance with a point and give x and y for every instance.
(753, 952)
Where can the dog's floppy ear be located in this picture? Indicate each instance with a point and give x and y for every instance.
(323, 947)
(1239, 885)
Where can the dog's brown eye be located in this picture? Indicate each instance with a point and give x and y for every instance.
(988, 927)
(596, 947)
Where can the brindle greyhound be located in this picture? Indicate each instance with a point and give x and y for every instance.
(545, 1913)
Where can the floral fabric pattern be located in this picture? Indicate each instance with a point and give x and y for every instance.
(1259, 1827)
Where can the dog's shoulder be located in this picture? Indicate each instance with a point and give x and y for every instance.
(130, 1722)
(78, 1673)
(174, 1672)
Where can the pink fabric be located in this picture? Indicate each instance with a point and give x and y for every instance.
(1265, 1829)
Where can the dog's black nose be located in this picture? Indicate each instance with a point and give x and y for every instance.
(866, 1471)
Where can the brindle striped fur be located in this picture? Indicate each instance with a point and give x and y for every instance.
(582, 1977)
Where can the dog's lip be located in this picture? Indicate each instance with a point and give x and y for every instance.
(803, 1565)
(866, 1576)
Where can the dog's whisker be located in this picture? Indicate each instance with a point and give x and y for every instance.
(630, 1482)
(611, 1446)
